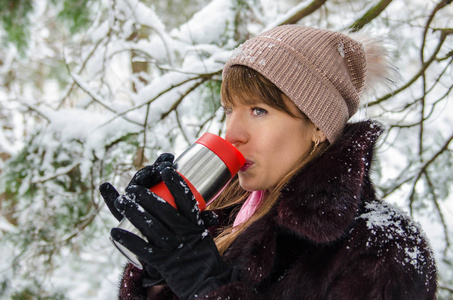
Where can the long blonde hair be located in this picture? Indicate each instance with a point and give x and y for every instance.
(247, 85)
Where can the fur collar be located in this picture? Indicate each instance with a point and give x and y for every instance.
(321, 202)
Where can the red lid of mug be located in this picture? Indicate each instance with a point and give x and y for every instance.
(231, 156)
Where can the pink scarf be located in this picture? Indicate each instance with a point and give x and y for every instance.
(249, 207)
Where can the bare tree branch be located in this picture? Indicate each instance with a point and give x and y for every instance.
(438, 7)
(447, 288)
(439, 211)
(179, 100)
(62, 171)
(98, 100)
(372, 13)
(423, 169)
(83, 65)
(207, 76)
(443, 36)
(307, 10)
(181, 127)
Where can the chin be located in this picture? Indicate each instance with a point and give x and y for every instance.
(250, 186)
(246, 185)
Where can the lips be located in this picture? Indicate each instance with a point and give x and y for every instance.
(247, 165)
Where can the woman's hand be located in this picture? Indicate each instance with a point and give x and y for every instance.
(179, 246)
(147, 177)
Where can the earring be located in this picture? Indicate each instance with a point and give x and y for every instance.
(314, 147)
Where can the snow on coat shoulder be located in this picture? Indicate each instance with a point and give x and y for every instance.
(393, 235)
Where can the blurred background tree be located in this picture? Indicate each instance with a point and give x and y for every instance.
(92, 90)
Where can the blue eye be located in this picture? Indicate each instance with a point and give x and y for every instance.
(258, 111)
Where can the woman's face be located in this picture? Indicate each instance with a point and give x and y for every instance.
(271, 141)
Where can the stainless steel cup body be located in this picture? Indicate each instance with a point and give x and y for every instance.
(205, 171)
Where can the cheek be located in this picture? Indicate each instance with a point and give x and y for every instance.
(289, 147)
(292, 139)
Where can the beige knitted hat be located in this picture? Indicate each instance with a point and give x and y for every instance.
(322, 72)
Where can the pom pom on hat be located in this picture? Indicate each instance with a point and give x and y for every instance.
(379, 70)
(323, 72)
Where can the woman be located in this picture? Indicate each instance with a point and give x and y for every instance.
(301, 220)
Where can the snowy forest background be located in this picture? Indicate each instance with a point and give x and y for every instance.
(90, 91)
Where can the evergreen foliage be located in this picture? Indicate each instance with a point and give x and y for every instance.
(15, 18)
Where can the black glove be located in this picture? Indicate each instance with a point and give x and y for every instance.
(178, 246)
(147, 177)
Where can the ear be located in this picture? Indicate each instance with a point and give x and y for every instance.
(319, 135)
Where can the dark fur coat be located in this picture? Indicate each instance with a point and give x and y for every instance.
(328, 237)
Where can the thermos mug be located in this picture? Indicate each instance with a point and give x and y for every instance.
(207, 166)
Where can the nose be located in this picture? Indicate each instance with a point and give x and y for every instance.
(236, 130)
